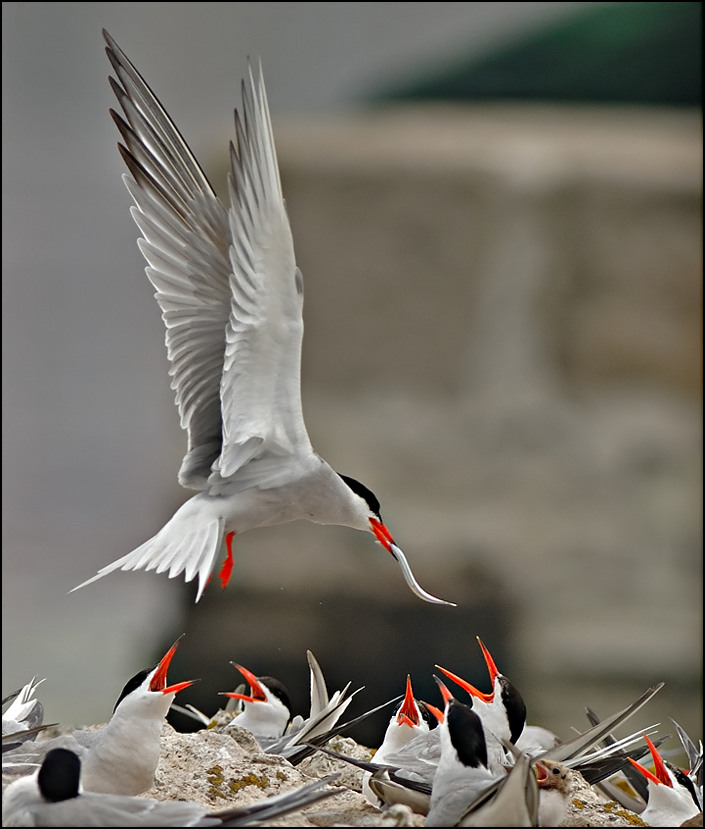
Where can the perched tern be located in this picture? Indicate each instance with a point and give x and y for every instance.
(502, 710)
(231, 297)
(411, 719)
(405, 773)
(530, 794)
(121, 756)
(469, 789)
(672, 797)
(513, 800)
(263, 712)
(464, 770)
(266, 713)
(267, 708)
(53, 796)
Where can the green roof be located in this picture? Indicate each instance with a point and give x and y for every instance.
(641, 53)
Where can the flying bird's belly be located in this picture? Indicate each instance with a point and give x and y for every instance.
(307, 497)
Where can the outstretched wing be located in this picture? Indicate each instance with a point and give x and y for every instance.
(226, 281)
(185, 240)
(261, 384)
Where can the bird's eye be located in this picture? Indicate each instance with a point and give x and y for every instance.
(556, 771)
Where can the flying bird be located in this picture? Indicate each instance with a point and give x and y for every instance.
(231, 297)
(411, 719)
(502, 710)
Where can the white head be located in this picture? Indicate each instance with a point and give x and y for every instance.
(147, 694)
(267, 709)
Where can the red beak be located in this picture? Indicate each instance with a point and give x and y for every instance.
(158, 681)
(437, 713)
(409, 712)
(491, 667)
(660, 772)
(471, 689)
(258, 694)
(382, 535)
(445, 693)
(466, 686)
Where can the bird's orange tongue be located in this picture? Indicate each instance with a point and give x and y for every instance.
(409, 712)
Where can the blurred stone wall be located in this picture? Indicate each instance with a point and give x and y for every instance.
(503, 311)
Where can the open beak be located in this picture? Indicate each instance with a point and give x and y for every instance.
(408, 713)
(491, 667)
(158, 681)
(466, 686)
(540, 772)
(445, 693)
(257, 694)
(437, 713)
(471, 689)
(660, 774)
(384, 537)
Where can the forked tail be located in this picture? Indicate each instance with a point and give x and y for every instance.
(189, 543)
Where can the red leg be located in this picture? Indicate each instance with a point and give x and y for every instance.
(227, 568)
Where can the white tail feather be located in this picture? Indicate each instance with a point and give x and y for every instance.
(186, 544)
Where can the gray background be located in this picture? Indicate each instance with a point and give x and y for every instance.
(91, 443)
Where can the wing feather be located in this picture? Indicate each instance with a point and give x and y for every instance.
(185, 240)
(261, 384)
(226, 281)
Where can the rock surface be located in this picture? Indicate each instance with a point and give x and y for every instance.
(227, 769)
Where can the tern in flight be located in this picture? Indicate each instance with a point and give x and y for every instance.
(231, 297)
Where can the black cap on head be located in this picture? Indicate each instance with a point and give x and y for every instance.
(132, 685)
(277, 688)
(364, 493)
(59, 775)
(466, 734)
(515, 707)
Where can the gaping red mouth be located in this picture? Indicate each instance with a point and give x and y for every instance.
(158, 681)
(408, 713)
(257, 694)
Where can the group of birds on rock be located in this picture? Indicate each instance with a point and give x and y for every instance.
(231, 298)
(466, 762)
